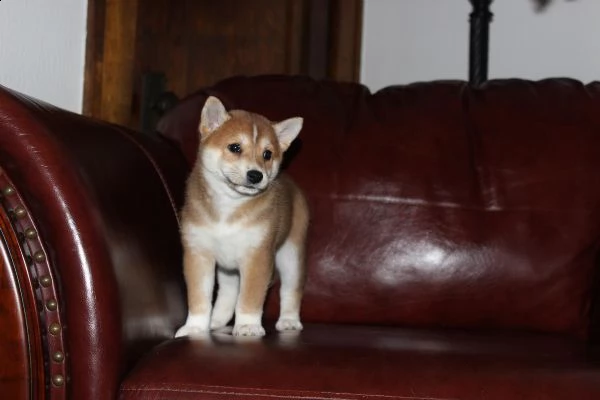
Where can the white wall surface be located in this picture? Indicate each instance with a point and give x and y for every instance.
(418, 40)
(412, 40)
(42, 49)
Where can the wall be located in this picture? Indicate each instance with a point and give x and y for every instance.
(413, 40)
(42, 49)
(42, 43)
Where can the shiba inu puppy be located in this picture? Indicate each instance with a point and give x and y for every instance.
(241, 218)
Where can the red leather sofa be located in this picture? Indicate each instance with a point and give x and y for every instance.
(453, 248)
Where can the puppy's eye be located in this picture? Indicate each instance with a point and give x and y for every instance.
(234, 148)
(267, 155)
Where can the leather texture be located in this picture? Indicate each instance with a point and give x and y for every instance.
(453, 248)
(104, 200)
(361, 362)
(437, 204)
(15, 380)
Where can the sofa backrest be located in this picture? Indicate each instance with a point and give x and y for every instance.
(438, 204)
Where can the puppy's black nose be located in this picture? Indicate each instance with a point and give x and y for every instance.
(254, 176)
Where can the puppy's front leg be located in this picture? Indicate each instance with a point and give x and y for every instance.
(199, 273)
(255, 275)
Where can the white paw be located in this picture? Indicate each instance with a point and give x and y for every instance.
(248, 330)
(195, 325)
(288, 324)
(191, 330)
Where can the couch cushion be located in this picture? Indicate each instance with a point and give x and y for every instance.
(437, 204)
(350, 362)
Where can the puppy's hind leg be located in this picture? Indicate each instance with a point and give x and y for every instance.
(289, 262)
(229, 287)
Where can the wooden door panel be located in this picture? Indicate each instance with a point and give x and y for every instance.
(196, 43)
(200, 42)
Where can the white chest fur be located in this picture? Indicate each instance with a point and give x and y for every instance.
(229, 243)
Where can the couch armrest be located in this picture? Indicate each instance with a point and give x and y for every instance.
(90, 247)
(594, 334)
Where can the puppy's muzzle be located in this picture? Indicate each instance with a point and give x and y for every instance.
(254, 176)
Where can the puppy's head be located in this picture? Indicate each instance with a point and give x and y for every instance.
(242, 149)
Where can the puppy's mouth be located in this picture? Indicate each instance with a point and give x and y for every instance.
(248, 190)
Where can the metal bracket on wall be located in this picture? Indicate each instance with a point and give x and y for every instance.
(479, 37)
(156, 100)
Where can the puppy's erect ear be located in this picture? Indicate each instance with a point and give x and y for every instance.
(287, 131)
(212, 117)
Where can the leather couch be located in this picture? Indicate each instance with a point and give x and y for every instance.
(453, 248)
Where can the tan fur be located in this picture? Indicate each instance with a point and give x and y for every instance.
(221, 208)
(196, 263)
